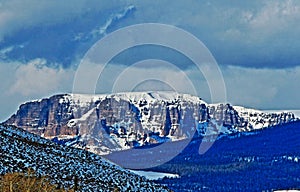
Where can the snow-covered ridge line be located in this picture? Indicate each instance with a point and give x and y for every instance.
(149, 96)
(104, 123)
(295, 112)
(259, 118)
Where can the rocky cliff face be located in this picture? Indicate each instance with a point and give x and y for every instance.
(104, 123)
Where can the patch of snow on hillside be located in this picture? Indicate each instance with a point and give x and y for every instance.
(150, 175)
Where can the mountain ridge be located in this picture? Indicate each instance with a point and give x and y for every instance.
(112, 122)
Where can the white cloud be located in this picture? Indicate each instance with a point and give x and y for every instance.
(263, 88)
(158, 74)
(35, 78)
(148, 75)
(275, 17)
(4, 51)
(258, 23)
(252, 87)
(256, 88)
(21, 82)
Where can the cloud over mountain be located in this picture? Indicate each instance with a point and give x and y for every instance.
(254, 38)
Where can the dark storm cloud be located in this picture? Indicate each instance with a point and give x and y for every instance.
(253, 34)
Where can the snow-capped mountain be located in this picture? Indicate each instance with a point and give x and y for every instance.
(20, 150)
(113, 122)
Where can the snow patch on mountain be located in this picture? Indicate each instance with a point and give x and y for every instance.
(154, 175)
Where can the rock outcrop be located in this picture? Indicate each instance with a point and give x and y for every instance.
(103, 123)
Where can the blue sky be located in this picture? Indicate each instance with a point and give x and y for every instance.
(256, 44)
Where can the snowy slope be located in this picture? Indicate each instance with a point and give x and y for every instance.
(20, 150)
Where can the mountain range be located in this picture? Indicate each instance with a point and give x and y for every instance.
(61, 137)
(114, 122)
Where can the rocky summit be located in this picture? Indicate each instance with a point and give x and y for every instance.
(114, 122)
